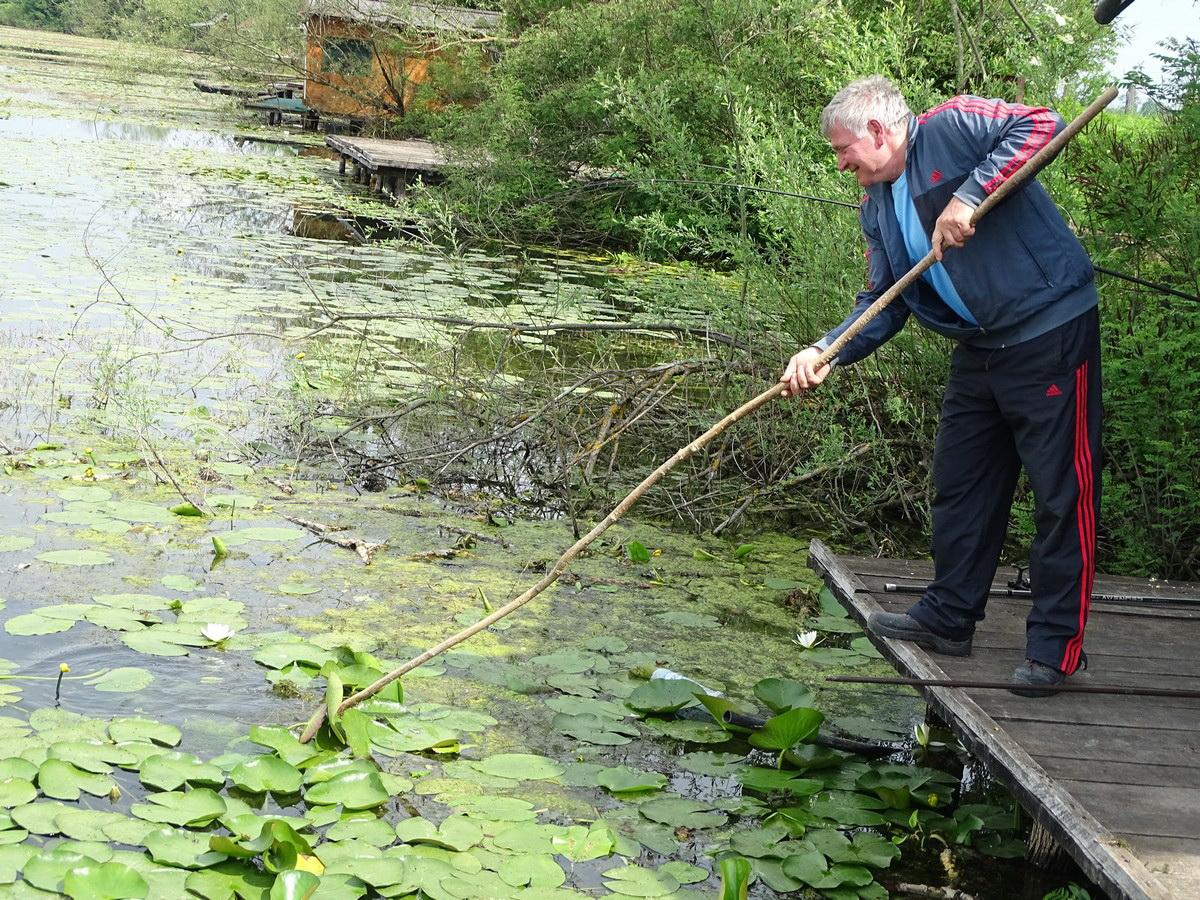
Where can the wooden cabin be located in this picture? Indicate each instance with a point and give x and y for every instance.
(366, 58)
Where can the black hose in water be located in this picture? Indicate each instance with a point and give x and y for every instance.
(872, 749)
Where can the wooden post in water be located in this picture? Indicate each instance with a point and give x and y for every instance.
(342, 164)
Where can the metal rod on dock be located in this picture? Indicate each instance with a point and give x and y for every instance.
(1007, 685)
(894, 588)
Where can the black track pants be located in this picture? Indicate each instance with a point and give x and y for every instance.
(1037, 405)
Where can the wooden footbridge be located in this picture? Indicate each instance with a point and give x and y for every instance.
(1115, 780)
(388, 166)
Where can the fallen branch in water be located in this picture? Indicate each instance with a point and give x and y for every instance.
(282, 486)
(179, 490)
(926, 890)
(473, 535)
(365, 549)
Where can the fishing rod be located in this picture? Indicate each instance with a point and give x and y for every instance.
(1117, 689)
(893, 588)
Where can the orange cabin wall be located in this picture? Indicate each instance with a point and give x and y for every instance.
(360, 97)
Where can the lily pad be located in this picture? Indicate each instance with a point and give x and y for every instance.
(634, 881)
(298, 588)
(138, 602)
(35, 624)
(623, 780)
(267, 773)
(353, 790)
(168, 771)
(279, 655)
(686, 730)
(784, 731)
(92, 756)
(592, 729)
(185, 849)
(197, 807)
(456, 833)
(540, 871)
(16, 792)
(47, 869)
(662, 695)
(124, 680)
(84, 494)
(180, 583)
(63, 781)
(284, 743)
(105, 881)
(371, 830)
(16, 767)
(149, 643)
(520, 766)
(10, 543)
(75, 557)
(782, 694)
(136, 511)
(135, 729)
(677, 812)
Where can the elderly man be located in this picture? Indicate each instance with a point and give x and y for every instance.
(1016, 293)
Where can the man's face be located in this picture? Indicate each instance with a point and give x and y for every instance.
(865, 156)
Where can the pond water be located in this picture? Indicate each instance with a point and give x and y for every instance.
(159, 307)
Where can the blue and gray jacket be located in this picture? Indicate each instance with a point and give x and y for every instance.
(1021, 274)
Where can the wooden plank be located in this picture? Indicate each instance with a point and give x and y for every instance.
(1101, 856)
(1121, 771)
(1088, 742)
(1167, 713)
(1176, 861)
(1158, 811)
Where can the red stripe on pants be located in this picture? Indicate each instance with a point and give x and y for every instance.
(1085, 519)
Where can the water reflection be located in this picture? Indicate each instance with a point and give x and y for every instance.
(45, 128)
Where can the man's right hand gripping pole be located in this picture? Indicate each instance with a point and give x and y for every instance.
(801, 372)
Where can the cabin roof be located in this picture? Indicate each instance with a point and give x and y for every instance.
(421, 16)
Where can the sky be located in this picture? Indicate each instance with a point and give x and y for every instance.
(1146, 23)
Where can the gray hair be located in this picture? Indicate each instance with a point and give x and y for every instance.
(873, 97)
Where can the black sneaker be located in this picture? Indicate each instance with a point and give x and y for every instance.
(1035, 679)
(904, 627)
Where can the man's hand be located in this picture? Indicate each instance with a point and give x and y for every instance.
(952, 228)
(801, 374)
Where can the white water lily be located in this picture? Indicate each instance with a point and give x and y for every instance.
(216, 631)
(807, 639)
(922, 734)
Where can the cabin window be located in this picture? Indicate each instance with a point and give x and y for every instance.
(348, 57)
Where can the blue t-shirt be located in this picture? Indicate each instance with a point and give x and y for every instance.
(919, 245)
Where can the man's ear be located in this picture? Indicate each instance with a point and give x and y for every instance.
(878, 132)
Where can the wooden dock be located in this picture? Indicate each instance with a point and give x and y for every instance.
(388, 166)
(1115, 780)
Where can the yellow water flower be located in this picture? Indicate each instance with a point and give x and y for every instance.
(64, 668)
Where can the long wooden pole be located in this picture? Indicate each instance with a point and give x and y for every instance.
(1030, 168)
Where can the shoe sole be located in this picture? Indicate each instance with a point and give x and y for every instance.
(924, 639)
(1031, 691)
